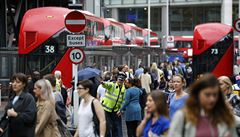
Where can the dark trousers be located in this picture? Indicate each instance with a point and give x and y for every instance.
(115, 123)
(131, 128)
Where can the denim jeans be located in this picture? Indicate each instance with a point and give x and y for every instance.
(115, 123)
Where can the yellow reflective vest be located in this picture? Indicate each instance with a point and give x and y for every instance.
(114, 97)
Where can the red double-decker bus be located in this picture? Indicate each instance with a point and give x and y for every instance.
(182, 44)
(42, 40)
(213, 49)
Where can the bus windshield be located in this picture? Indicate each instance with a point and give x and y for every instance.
(46, 56)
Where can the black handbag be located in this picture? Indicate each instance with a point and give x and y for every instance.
(95, 120)
(4, 133)
(63, 129)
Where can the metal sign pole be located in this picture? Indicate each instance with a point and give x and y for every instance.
(75, 95)
(0, 94)
(75, 22)
(149, 28)
(238, 33)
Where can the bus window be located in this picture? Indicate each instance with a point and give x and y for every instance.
(46, 56)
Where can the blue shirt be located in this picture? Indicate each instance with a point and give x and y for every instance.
(157, 128)
(15, 99)
(176, 104)
(131, 105)
(138, 72)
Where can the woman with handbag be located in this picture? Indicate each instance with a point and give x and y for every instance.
(20, 116)
(46, 114)
(89, 107)
(156, 122)
(131, 108)
(205, 114)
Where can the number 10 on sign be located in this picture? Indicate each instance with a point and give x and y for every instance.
(77, 55)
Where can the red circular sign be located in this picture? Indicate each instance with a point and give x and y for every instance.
(76, 55)
(75, 21)
(237, 25)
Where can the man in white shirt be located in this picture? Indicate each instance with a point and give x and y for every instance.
(101, 91)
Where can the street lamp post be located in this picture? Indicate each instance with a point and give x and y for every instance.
(149, 26)
(239, 33)
(167, 30)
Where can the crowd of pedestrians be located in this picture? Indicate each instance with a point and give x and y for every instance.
(157, 101)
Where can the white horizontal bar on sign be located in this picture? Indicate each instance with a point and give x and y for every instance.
(75, 22)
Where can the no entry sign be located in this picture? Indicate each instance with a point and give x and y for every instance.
(237, 25)
(75, 21)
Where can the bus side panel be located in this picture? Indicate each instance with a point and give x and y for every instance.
(65, 66)
(225, 65)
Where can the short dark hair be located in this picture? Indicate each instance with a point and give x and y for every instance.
(120, 68)
(21, 77)
(146, 69)
(51, 78)
(86, 84)
(140, 65)
(135, 82)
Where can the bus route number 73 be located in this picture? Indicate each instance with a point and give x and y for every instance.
(214, 51)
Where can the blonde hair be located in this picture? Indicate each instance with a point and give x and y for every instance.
(226, 81)
(46, 90)
(154, 67)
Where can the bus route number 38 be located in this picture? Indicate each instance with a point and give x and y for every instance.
(49, 49)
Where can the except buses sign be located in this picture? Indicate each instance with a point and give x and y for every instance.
(76, 40)
(75, 21)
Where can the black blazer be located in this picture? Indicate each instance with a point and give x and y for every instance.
(24, 124)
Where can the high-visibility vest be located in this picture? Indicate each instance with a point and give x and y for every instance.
(236, 89)
(114, 97)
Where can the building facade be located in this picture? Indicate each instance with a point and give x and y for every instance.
(183, 15)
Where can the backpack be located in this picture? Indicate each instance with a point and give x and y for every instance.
(61, 108)
(143, 98)
(154, 76)
(97, 122)
(154, 79)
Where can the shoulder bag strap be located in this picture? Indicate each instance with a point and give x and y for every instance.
(93, 108)
(95, 118)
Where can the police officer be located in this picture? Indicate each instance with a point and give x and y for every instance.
(112, 102)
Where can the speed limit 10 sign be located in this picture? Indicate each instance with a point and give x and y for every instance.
(237, 24)
(77, 55)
